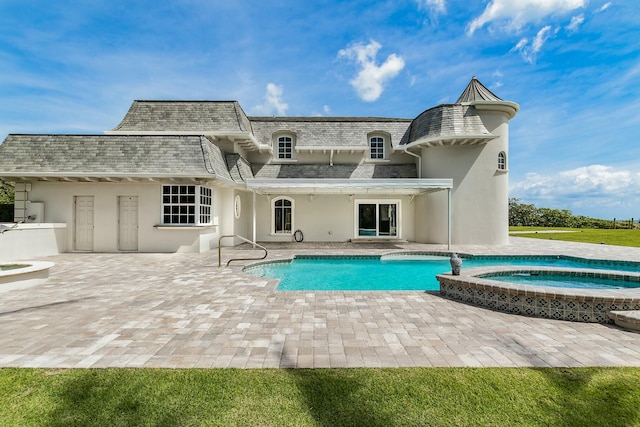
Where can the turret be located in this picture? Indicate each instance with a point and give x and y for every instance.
(471, 146)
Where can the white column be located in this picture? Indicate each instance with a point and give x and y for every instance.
(448, 219)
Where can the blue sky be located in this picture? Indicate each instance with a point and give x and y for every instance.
(573, 66)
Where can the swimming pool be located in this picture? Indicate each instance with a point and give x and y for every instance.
(399, 271)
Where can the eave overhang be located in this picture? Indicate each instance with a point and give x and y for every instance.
(506, 107)
(440, 140)
(329, 148)
(116, 177)
(398, 186)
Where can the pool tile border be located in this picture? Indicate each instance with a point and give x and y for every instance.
(577, 305)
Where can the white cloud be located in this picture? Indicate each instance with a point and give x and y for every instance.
(514, 14)
(529, 50)
(435, 7)
(603, 7)
(576, 21)
(326, 110)
(273, 103)
(598, 189)
(370, 80)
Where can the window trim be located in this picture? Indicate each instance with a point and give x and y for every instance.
(383, 148)
(377, 202)
(276, 146)
(502, 162)
(201, 207)
(273, 216)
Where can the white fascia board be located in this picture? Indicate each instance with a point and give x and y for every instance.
(507, 107)
(330, 147)
(209, 177)
(346, 185)
(106, 174)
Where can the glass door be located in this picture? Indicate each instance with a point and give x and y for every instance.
(379, 219)
(387, 225)
(367, 220)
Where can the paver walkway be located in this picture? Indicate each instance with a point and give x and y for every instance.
(181, 310)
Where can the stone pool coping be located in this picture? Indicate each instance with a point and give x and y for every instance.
(579, 305)
(32, 274)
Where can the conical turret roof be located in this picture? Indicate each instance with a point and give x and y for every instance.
(476, 91)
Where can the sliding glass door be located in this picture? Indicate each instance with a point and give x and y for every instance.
(377, 218)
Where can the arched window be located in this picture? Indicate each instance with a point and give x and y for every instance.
(376, 147)
(284, 146)
(502, 161)
(282, 216)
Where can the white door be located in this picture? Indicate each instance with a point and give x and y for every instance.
(84, 223)
(128, 223)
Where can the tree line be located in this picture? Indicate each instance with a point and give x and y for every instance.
(522, 214)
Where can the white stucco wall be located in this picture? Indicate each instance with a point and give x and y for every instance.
(480, 195)
(58, 199)
(229, 224)
(29, 241)
(327, 218)
(431, 218)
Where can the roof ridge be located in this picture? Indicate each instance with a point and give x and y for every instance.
(327, 119)
(185, 100)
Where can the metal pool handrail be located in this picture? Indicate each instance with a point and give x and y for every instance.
(239, 259)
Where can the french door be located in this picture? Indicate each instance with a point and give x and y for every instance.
(377, 218)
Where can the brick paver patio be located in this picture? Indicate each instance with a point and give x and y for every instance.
(181, 310)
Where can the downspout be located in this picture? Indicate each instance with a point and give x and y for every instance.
(406, 150)
(448, 219)
(253, 208)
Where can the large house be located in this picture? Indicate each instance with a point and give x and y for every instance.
(178, 175)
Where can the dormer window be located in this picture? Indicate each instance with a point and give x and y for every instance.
(376, 147)
(285, 147)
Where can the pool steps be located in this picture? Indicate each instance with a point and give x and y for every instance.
(628, 319)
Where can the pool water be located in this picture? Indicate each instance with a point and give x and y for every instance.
(5, 267)
(396, 273)
(557, 281)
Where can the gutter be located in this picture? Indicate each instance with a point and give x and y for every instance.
(406, 150)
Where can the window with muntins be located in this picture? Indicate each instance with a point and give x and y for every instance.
(186, 205)
(502, 161)
(376, 147)
(282, 216)
(285, 147)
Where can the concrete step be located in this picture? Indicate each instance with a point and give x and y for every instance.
(628, 319)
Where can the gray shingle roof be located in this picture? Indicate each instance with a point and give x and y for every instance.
(362, 171)
(185, 116)
(476, 91)
(329, 131)
(449, 120)
(239, 168)
(102, 155)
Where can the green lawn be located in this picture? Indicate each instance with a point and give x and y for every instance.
(323, 397)
(619, 237)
